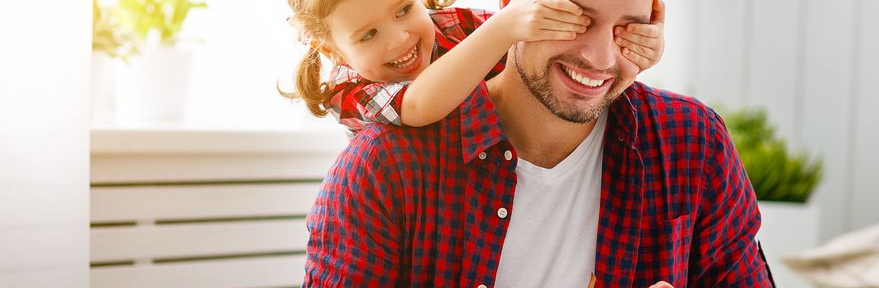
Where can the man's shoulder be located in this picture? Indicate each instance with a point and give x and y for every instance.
(652, 98)
(385, 144)
(669, 107)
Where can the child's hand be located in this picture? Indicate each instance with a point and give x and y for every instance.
(536, 20)
(643, 43)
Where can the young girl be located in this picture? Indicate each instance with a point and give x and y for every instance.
(385, 49)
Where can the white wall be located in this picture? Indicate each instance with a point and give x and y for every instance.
(237, 63)
(44, 68)
(811, 63)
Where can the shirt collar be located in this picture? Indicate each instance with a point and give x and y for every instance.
(623, 116)
(481, 127)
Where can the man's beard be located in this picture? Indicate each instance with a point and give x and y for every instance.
(539, 86)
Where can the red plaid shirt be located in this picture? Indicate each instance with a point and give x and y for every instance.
(357, 100)
(417, 207)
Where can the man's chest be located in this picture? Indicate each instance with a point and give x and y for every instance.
(458, 224)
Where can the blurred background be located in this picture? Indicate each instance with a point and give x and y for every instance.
(175, 163)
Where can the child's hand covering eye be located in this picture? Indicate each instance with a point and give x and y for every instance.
(643, 44)
(537, 20)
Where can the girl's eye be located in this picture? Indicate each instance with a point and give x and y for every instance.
(368, 35)
(404, 11)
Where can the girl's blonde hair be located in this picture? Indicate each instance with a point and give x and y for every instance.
(309, 21)
(438, 4)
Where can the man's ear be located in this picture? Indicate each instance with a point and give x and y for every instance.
(326, 50)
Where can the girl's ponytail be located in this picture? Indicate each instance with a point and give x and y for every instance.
(307, 20)
(309, 88)
(308, 84)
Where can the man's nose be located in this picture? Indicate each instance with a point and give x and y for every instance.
(598, 48)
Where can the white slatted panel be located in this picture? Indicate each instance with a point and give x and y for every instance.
(194, 202)
(192, 240)
(240, 273)
(865, 183)
(827, 93)
(203, 208)
(812, 66)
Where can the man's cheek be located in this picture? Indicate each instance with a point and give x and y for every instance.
(628, 69)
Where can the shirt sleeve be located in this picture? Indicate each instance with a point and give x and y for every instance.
(724, 245)
(466, 21)
(354, 231)
(356, 100)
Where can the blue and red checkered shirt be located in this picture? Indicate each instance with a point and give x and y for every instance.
(357, 101)
(417, 207)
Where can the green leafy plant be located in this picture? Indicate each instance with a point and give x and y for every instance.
(775, 173)
(163, 16)
(107, 37)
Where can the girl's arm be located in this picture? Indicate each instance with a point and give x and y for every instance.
(445, 83)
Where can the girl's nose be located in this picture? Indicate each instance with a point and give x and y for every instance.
(398, 40)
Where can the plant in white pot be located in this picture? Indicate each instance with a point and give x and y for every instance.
(783, 182)
(158, 78)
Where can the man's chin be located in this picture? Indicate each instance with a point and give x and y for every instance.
(581, 112)
(579, 108)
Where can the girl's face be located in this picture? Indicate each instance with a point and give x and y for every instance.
(383, 40)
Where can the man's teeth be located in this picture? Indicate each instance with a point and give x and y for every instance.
(582, 79)
(406, 60)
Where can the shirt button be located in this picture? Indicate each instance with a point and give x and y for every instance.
(482, 156)
(481, 286)
(508, 155)
(502, 213)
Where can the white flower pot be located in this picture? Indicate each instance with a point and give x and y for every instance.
(155, 87)
(103, 88)
(787, 228)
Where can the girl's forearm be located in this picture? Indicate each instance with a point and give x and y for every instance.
(445, 83)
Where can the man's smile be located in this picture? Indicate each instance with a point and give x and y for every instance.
(583, 82)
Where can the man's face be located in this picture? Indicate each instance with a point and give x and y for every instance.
(577, 80)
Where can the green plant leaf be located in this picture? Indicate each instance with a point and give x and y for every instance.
(774, 172)
(165, 17)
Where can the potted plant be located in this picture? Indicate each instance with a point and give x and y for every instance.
(776, 174)
(109, 43)
(783, 181)
(158, 78)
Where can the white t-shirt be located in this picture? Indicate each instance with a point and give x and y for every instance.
(553, 227)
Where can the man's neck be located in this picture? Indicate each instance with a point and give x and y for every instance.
(539, 136)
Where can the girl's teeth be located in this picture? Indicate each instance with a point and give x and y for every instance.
(582, 79)
(406, 61)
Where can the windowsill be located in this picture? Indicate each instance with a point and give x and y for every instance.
(165, 139)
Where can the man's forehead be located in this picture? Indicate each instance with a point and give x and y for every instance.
(627, 11)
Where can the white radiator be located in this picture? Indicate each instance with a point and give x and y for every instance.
(184, 219)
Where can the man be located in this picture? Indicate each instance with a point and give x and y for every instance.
(570, 169)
